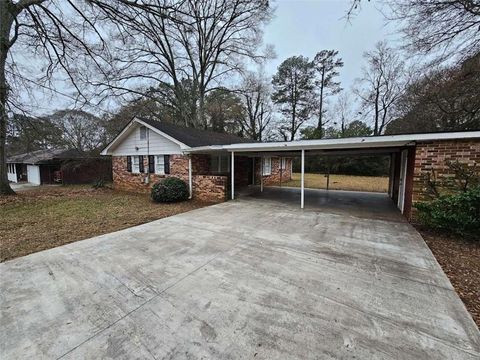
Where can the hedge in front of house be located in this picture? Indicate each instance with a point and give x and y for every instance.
(458, 213)
(171, 189)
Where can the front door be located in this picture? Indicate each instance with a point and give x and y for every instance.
(21, 170)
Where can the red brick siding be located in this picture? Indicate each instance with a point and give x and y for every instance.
(211, 188)
(277, 176)
(206, 187)
(434, 156)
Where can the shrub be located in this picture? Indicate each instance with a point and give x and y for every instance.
(171, 189)
(459, 213)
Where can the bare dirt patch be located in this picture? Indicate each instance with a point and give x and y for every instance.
(342, 182)
(47, 217)
(460, 260)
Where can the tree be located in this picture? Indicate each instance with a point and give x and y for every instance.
(382, 84)
(343, 112)
(444, 29)
(26, 134)
(293, 87)
(56, 36)
(256, 94)
(326, 64)
(355, 128)
(224, 110)
(194, 43)
(444, 99)
(80, 130)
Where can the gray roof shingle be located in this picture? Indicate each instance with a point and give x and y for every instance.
(195, 137)
(44, 156)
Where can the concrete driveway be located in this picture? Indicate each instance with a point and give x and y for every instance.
(244, 279)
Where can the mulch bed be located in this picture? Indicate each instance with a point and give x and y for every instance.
(460, 260)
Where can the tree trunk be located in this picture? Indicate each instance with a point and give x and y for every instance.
(320, 110)
(5, 25)
(377, 110)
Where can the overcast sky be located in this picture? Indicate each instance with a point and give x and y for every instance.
(304, 27)
(299, 27)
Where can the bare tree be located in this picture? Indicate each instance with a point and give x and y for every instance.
(382, 84)
(326, 63)
(54, 34)
(445, 29)
(343, 113)
(197, 42)
(256, 95)
(80, 130)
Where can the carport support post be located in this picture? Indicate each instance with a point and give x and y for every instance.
(302, 181)
(190, 182)
(233, 174)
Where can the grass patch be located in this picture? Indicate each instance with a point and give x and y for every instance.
(342, 182)
(47, 217)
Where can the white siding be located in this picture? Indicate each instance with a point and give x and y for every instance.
(12, 176)
(158, 144)
(33, 174)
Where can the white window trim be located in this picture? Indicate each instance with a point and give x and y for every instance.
(159, 170)
(145, 133)
(283, 163)
(267, 170)
(135, 164)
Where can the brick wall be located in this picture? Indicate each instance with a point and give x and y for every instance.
(277, 176)
(434, 156)
(206, 187)
(211, 188)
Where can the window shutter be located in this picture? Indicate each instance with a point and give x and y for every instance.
(166, 159)
(140, 164)
(151, 164)
(129, 163)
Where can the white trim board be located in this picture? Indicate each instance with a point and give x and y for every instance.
(126, 131)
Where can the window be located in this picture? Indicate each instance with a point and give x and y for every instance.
(220, 164)
(267, 166)
(283, 164)
(143, 133)
(135, 164)
(160, 164)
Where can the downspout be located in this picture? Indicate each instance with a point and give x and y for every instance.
(190, 178)
(147, 178)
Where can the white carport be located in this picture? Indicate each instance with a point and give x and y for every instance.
(386, 144)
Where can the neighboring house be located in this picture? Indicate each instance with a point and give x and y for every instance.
(57, 166)
(147, 150)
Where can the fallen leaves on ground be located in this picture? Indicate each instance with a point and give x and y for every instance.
(460, 260)
(47, 217)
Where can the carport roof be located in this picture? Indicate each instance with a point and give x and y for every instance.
(384, 141)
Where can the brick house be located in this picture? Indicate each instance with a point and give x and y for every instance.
(216, 165)
(147, 151)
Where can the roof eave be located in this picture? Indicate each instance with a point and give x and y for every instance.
(119, 137)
